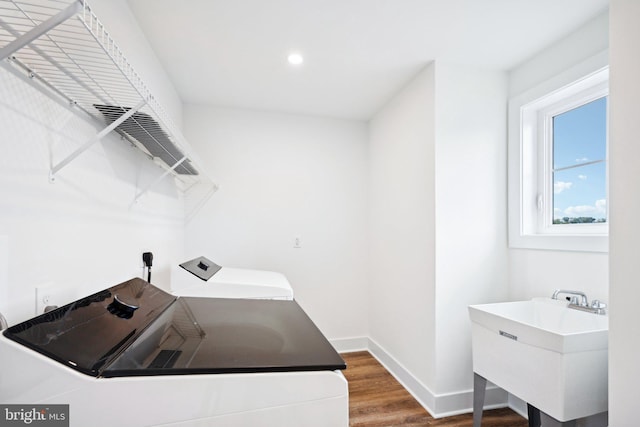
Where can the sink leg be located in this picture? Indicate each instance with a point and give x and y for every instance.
(538, 418)
(552, 422)
(479, 387)
(534, 416)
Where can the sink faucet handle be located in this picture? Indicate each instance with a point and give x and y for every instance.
(599, 306)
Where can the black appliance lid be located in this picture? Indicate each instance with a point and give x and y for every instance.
(90, 333)
(201, 267)
(216, 335)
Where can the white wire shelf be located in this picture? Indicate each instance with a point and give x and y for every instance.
(62, 45)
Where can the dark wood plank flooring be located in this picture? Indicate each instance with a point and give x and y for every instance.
(376, 399)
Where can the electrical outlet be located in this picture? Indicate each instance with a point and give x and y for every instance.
(44, 297)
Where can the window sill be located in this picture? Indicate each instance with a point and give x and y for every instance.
(594, 243)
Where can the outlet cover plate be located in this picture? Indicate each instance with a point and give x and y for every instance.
(44, 297)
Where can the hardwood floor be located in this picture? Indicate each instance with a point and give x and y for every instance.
(376, 399)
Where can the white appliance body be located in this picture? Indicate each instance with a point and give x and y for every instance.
(275, 399)
(232, 283)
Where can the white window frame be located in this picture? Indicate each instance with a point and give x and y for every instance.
(530, 161)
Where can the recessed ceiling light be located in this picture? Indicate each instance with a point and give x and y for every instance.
(295, 59)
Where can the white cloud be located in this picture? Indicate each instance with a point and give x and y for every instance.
(560, 186)
(582, 177)
(582, 160)
(598, 210)
(581, 210)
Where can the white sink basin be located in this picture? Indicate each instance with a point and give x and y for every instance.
(545, 353)
(545, 323)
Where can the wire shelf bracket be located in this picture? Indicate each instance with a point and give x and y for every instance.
(158, 179)
(84, 147)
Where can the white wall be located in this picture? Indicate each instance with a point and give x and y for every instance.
(437, 225)
(471, 233)
(624, 152)
(586, 41)
(283, 176)
(80, 234)
(535, 272)
(402, 227)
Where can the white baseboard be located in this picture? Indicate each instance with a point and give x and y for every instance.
(438, 405)
(517, 405)
(418, 390)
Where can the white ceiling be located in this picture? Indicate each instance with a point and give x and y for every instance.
(358, 53)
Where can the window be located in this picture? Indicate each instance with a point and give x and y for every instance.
(578, 140)
(558, 166)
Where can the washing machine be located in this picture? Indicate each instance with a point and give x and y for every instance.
(201, 277)
(134, 355)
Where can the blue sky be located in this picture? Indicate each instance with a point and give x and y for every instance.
(580, 137)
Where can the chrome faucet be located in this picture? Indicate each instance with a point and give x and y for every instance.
(596, 306)
(574, 299)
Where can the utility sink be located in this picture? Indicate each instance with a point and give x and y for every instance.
(545, 353)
